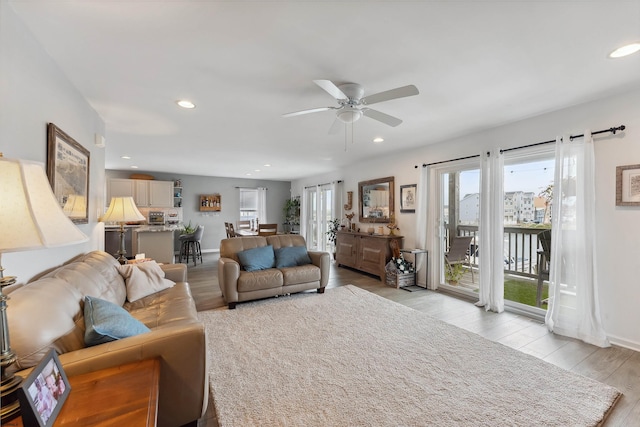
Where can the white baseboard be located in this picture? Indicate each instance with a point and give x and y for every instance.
(621, 342)
(209, 251)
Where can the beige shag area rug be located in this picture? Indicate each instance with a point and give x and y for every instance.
(351, 358)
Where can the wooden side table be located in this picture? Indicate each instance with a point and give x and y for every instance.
(125, 395)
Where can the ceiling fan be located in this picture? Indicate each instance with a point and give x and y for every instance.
(352, 105)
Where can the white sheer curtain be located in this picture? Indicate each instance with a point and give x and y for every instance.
(304, 200)
(491, 232)
(573, 308)
(262, 205)
(421, 220)
(336, 194)
(430, 217)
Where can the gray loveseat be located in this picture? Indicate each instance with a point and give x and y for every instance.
(239, 285)
(48, 313)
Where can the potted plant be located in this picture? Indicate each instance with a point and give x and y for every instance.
(453, 273)
(333, 227)
(189, 229)
(291, 210)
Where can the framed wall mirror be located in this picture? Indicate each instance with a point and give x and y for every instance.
(376, 200)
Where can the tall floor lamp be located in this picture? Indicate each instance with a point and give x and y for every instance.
(121, 210)
(30, 218)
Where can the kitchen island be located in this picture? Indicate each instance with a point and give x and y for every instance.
(155, 242)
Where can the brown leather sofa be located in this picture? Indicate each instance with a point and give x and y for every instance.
(48, 313)
(238, 285)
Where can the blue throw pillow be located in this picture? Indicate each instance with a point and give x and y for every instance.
(105, 321)
(256, 259)
(292, 256)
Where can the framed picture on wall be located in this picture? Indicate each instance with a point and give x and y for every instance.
(408, 198)
(44, 392)
(68, 172)
(628, 185)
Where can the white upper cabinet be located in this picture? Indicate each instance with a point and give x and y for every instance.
(142, 192)
(146, 193)
(120, 188)
(161, 194)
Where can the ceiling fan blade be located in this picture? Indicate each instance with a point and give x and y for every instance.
(331, 89)
(381, 117)
(335, 127)
(399, 92)
(312, 110)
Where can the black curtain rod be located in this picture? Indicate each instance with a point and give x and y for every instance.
(571, 138)
(613, 130)
(320, 185)
(424, 165)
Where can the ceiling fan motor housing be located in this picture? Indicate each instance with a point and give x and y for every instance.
(350, 112)
(354, 91)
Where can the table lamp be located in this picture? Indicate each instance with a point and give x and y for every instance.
(30, 218)
(121, 210)
(75, 207)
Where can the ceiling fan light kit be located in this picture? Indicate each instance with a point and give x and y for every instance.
(349, 115)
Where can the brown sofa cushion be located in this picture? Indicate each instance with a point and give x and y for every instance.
(257, 280)
(300, 274)
(169, 307)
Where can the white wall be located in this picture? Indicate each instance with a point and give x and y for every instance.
(34, 92)
(618, 228)
(193, 186)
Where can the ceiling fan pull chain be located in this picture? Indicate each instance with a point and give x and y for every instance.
(345, 137)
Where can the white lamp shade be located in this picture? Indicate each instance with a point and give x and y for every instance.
(122, 209)
(30, 216)
(76, 206)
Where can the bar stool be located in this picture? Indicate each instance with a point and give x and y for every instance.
(190, 244)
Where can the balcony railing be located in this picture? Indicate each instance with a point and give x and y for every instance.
(520, 243)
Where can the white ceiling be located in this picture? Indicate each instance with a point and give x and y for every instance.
(477, 64)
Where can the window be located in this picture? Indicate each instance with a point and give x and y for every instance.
(248, 203)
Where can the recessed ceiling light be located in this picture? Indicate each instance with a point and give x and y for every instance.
(125, 157)
(134, 167)
(267, 165)
(256, 170)
(378, 140)
(247, 174)
(186, 104)
(625, 50)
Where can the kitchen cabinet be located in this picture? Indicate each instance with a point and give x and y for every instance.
(146, 193)
(365, 252)
(160, 194)
(120, 188)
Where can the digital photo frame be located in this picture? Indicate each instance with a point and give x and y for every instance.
(43, 392)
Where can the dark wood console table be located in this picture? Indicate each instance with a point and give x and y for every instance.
(365, 252)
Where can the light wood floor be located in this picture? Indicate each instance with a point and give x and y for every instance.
(616, 366)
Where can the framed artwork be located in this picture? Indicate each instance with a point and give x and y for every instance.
(68, 172)
(408, 198)
(628, 185)
(44, 392)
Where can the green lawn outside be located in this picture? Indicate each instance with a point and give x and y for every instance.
(524, 291)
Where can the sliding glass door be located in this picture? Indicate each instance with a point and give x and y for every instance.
(459, 187)
(528, 192)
